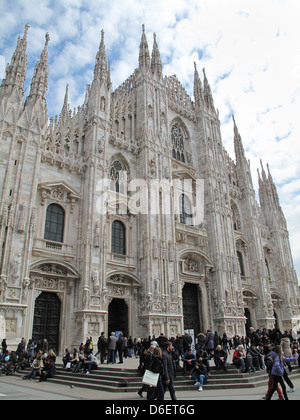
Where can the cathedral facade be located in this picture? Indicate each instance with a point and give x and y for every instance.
(80, 256)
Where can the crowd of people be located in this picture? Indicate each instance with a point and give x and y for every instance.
(37, 356)
(269, 350)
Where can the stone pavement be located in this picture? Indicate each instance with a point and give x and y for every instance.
(14, 388)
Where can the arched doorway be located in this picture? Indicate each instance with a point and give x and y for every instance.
(248, 321)
(191, 313)
(47, 319)
(118, 316)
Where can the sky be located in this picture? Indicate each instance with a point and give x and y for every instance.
(249, 48)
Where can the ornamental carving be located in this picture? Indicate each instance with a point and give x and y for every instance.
(191, 265)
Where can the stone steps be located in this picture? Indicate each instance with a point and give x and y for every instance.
(128, 380)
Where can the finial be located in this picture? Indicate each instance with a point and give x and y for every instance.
(143, 27)
(27, 26)
(47, 37)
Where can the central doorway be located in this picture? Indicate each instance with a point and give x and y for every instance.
(47, 319)
(191, 313)
(118, 316)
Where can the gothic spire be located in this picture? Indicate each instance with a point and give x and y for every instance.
(198, 90)
(207, 94)
(39, 83)
(65, 109)
(242, 164)
(16, 70)
(272, 187)
(100, 71)
(238, 144)
(264, 176)
(156, 65)
(144, 55)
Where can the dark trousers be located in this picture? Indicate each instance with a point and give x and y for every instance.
(170, 387)
(156, 392)
(287, 380)
(278, 380)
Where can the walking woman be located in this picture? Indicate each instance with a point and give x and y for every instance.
(278, 371)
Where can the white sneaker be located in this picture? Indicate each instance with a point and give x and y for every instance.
(200, 389)
(292, 390)
(196, 383)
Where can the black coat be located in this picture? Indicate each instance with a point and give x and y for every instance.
(169, 372)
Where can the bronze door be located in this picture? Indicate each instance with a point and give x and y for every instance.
(46, 320)
(118, 316)
(190, 301)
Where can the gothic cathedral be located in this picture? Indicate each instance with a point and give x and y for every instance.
(80, 256)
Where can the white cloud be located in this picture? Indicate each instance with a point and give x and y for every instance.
(249, 49)
(2, 66)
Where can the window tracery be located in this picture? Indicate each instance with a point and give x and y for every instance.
(116, 170)
(177, 139)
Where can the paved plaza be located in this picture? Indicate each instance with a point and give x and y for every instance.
(14, 388)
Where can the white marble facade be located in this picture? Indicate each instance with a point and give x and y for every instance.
(147, 133)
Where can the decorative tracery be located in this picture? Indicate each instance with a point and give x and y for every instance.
(177, 139)
(116, 170)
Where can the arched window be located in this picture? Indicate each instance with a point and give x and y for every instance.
(185, 209)
(177, 139)
(54, 226)
(117, 172)
(241, 263)
(235, 217)
(118, 238)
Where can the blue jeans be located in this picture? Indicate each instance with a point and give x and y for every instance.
(240, 362)
(198, 378)
(111, 357)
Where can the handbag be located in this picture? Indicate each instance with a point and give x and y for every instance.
(150, 378)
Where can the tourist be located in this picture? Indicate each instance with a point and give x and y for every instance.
(169, 374)
(156, 392)
(220, 358)
(252, 358)
(4, 345)
(239, 358)
(49, 369)
(200, 342)
(30, 348)
(21, 347)
(67, 359)
(90, 363)
(178, 345)
(269, 364)
(224, 342)
(205, 359)
(189, 359)
(74, 358)
(112, 343)
(209, 342)
(102, 347)
(80, 362)
(286, 349)
(36, 367)
(120, 346)
(278, 371)
(199, 374)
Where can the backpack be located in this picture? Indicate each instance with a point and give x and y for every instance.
(269, 362)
